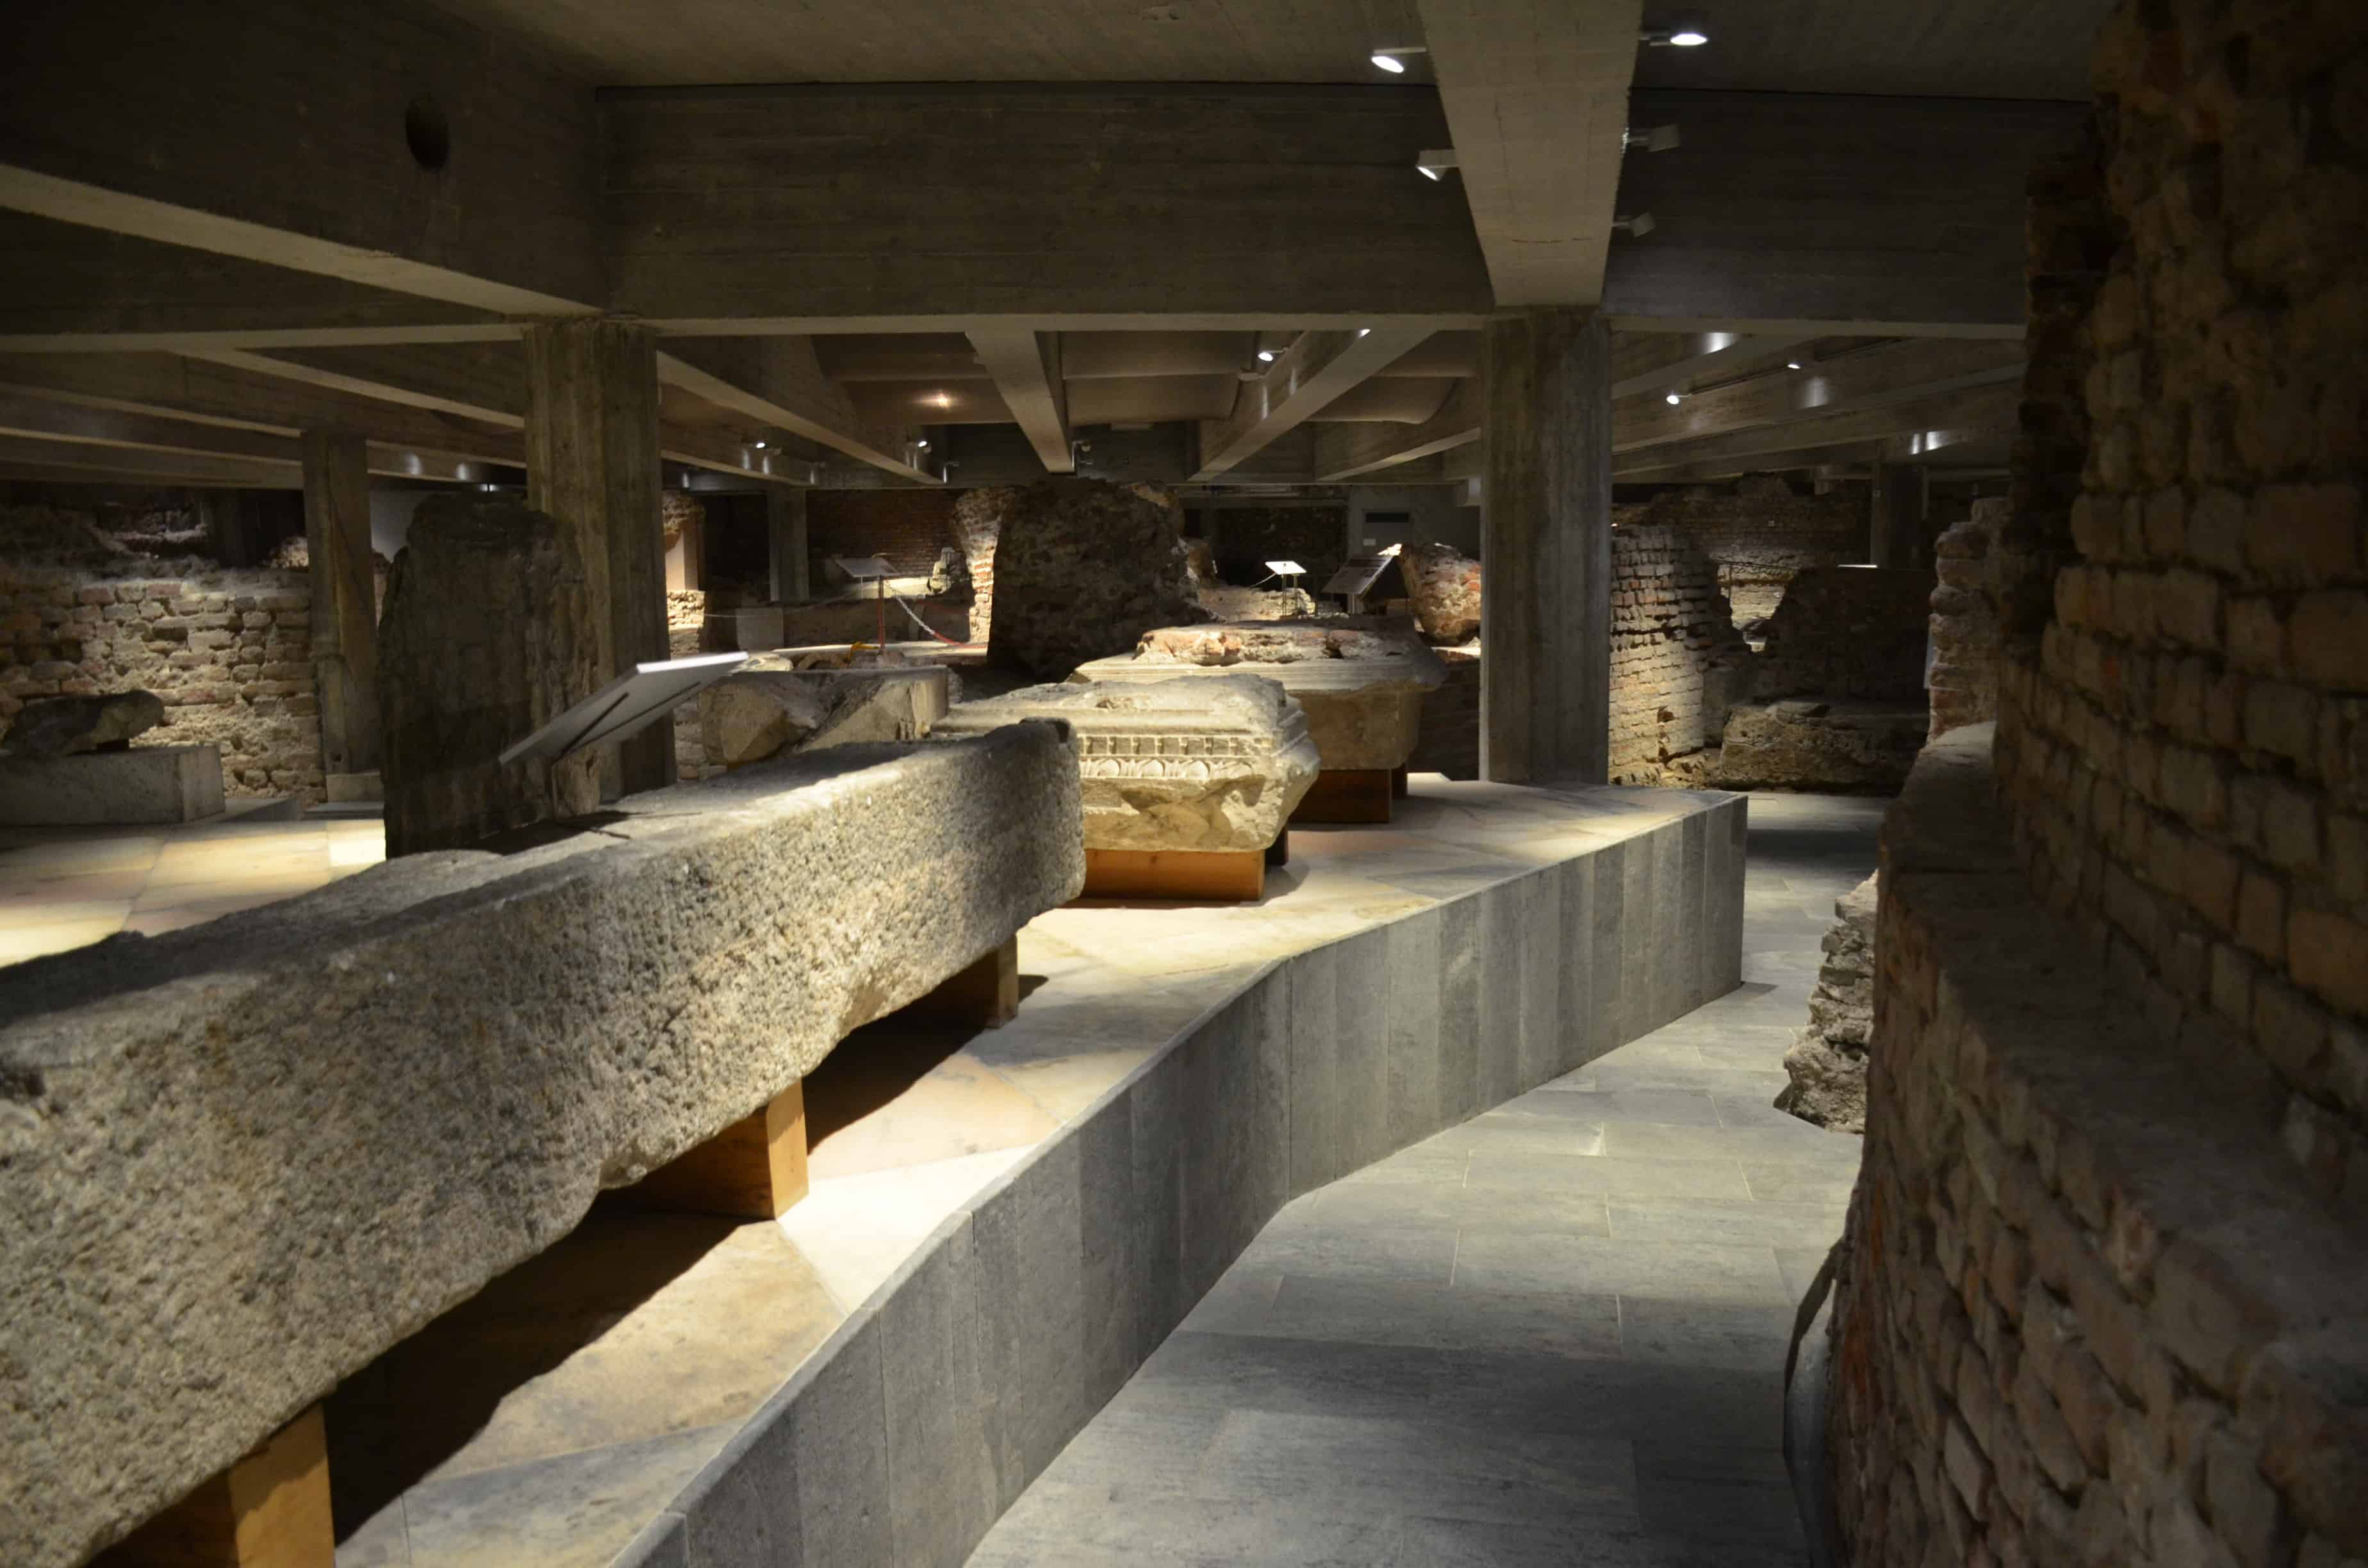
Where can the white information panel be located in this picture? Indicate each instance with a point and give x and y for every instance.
(863, 568)
(624, 705)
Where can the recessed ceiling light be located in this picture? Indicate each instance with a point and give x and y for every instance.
(1690, 38)
(939, 400)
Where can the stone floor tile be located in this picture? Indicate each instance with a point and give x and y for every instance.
(1613, 1265)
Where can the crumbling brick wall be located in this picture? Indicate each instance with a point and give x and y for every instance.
(1676, 656)
(229, 653)
(2097, 1299)
(1964, 628)
(1759, 532)
(977, 522)
(908, 527)
(1849, 633)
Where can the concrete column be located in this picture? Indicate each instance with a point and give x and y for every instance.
(592, 462)
(785, 534)
(344, 622)
(1897, 500)
(1545, 547)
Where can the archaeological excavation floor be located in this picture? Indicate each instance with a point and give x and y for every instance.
(1553, 1335)
(565, 1415)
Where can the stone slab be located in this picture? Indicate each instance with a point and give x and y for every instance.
(299, 1133)
(1207, 765)
(1361, 679)
(143, 784)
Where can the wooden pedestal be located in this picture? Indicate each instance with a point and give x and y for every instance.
(754, 1169)
(1233, 876)
(269, 1510)
(987, 993)
(1399, 788)
(1348, 795)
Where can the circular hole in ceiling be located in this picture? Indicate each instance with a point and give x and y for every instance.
(427, 134)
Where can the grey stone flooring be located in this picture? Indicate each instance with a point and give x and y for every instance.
(1552, 1334)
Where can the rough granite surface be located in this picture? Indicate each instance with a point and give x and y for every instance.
(1828, 1060)
(239, 1161)
(1196, 764)
(759, 712)
(1361, 679)
(1853, 747)
(1084, 567)
(1444, 584)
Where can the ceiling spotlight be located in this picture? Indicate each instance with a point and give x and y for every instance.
(922, 444)
(1434, 162)
(1659, 139)
(1675, 398)
(1686, 32)
(1362, 331)
(1388, 59)
(939, 400)
(1266, 356)
(1791, 364)
(761, 444)
(1635, 226)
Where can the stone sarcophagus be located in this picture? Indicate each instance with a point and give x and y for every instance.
(1360, 680)
(1186, 784)
(239, 1161)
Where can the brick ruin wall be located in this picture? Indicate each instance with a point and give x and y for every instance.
(1760, 533)
(229, 653)
(2098, 1299)
(1677, 659)
(1963, 626)
(909, 527)
(1847, 634)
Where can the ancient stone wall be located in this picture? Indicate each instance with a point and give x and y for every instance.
(230, 654)
(1760, 533)
(687, 634)
(2099, 1298)
(1849, 633)
(977, 523)
(1965, 627)
(1083, 568)
(1677, 660)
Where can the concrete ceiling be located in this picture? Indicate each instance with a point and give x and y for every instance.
(1972, 48)
(701, 42)
(2004, 48)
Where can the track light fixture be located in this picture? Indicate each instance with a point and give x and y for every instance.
(1435, 161)
(1683, 32)
(1637, 225)
(1658, 138)
(1266, 356)
(1393, 60)
(1675, 398)
(759, 443)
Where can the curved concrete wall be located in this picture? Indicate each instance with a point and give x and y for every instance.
(929, 1410)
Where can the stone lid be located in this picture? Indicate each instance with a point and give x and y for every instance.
(1343, 655)
(1228, 714)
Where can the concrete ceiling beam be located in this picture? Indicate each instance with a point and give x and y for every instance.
(778, 382)
(1026, 367)
(1297, 387)
(1869, 378)
(395, 146)
(1346, 451)
(1649, 362)
(1536, 94)
(1928, 422)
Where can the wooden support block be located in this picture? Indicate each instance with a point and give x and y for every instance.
(269, 1510)
(1347, 795)
(754, 1169)
(987, 993)
(1278, 852)
(1399, 788)
(1233, 876)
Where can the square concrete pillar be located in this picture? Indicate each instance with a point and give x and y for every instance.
(1546, 545)
(344, 620)
(785, 535)
(592, 462)
(1898, 502)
